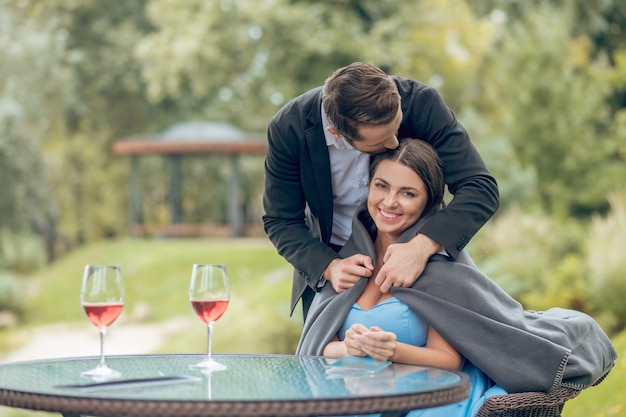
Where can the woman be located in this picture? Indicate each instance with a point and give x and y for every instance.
(453, 316)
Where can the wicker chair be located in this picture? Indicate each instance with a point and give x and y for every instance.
(528, 404)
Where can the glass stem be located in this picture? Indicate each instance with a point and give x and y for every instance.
(209, 331)
(102, 333)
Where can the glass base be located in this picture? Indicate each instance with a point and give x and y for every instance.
(208, 365)
(101, 373)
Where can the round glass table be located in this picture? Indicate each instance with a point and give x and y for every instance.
(252, 385)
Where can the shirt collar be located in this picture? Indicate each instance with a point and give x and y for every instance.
(332, 140)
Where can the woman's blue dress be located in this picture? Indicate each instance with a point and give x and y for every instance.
(392, 315)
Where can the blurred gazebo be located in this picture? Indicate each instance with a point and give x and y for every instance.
(214, 138)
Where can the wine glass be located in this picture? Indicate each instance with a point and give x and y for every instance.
(102, 298)
(209, 294)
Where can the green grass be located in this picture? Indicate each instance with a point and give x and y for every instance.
(156, 276)
(608, 399)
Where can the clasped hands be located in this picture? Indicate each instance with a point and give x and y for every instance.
(373, 342)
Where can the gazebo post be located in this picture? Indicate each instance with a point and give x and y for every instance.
(174, 188)
(133, 197)
(234, 208)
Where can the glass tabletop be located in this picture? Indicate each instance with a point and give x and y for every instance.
(248, 378)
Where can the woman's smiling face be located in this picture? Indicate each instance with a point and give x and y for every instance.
(397, 198)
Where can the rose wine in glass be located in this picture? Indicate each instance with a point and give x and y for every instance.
(209, 294)
(102, 299)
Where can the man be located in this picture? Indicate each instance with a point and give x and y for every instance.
(316, 175)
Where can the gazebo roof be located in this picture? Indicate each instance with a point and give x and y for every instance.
(193, 137)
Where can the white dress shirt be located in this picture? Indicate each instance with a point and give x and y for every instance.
(350, 180)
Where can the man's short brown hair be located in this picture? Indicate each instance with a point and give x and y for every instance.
(359, 94)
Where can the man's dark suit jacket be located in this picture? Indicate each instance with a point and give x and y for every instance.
(298, 197)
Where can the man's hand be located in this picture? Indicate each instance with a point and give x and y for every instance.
(403, 263)
(344, 273)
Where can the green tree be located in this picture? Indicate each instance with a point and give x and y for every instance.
(89, 181)
(238, 62)
(603, 23)
(441, 43)
(550, 100)
(32, 66)
(81, 87)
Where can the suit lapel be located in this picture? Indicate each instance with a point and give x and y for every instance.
(322, 206)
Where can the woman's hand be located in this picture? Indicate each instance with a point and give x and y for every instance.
(374, 342)
(352, 346)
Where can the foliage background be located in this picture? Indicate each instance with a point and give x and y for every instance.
(539, 84)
